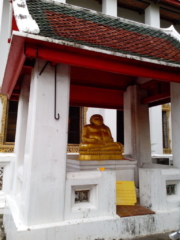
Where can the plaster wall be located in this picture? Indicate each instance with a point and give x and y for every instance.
(4, 35)
(155, 117)
(136, 125)
(175, 116)
(101, 198)
(44, 169)
(1, 9)
(155, 178)
(125, 170)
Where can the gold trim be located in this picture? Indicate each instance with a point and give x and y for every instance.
(4, 117)
(9, 147)
(85, 109)
(167, 109)
(4, 147)
(73, 148)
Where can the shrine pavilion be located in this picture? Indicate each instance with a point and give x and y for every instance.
(63, 55)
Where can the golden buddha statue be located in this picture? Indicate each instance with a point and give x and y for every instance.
(97, 142)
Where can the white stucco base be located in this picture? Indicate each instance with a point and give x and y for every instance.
(104, 228)
(126, 170)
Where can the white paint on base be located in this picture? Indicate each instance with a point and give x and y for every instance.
(125, 170)
(152, 186)
(102, 194)
(106, 228)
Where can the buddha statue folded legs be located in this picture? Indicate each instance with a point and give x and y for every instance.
(97, 142)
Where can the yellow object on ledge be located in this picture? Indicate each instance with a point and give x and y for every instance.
(97, 142)
(125, 193)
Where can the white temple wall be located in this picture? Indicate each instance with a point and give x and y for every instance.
(20, 139)
(1, 9)
(5, 8)
(155, 117)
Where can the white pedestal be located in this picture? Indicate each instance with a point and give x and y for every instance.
(125, 170)
(154, 179)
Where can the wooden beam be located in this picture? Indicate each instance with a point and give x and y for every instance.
(156, 97)
(149, 84)
(101, 62)
(95, 97)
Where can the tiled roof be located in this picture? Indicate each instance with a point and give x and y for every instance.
(91, 29)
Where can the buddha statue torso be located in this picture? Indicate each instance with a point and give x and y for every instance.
(97, 137)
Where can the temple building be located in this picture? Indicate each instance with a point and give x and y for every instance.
(86, 86)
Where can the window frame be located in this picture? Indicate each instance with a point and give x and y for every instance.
(8, 147)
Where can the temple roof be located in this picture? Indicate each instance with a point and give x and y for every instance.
(106, 54)
(84, 27)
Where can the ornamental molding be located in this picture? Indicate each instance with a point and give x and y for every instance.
(24, 20)
(171, 31)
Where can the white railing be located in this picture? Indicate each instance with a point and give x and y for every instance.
(6, 176)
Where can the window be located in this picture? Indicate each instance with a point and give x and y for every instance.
(74, 125)
(120, 127)
(11, 122)
(77, 119)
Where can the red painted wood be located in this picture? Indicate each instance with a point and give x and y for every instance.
(95, 97)
(14, 25)
(157, 97)
(98, 69)
(14, 66)
(116, 66)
